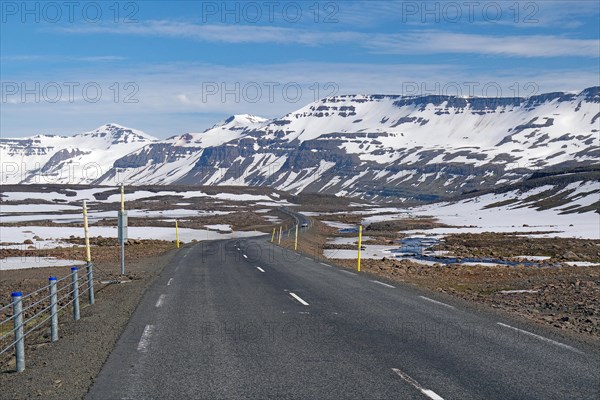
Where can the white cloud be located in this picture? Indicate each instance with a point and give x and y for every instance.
(436, 42)
(409, 42)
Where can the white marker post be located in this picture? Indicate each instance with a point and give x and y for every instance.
(296, 239)
(122, 228)
(88, 256)
(359, 246)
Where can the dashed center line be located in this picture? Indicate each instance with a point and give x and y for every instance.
(161, 300)
(436, 302)
(383, 284)
(260, 269)
(347, 272)
(564, 346)
(170, 281)
(145, 339)
(327, 265)
(294, 295)
(245, 256)
(429, 393)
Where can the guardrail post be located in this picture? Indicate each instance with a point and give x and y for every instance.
(75, 290)
(53, 310)
(90, 282)
(18, 327)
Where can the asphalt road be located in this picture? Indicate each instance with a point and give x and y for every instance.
(239, 320)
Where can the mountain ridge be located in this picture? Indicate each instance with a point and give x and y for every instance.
(370, 146)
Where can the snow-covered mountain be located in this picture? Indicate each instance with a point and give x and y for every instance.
(370, 146)
(75, 159)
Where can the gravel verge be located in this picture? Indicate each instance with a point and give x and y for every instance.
(66, 369)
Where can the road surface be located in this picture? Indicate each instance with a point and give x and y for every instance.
(245, 319)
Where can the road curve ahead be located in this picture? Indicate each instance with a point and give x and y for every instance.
(247, 320)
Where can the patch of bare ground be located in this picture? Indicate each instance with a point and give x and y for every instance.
(509, 245)
(404, 224)
(564, 297)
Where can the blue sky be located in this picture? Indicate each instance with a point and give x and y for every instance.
(173, 67)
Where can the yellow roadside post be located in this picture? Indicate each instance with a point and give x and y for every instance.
(273, 235)
(122, 197)
(88, 256)
(176, 233)
(359, 245)
(280, 229)
(296, 240)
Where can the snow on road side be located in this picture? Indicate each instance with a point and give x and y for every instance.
(371, 251)
(473, 215)
(219, 227)
(53, 235)
(338, 225)
(89, 194)
(12, 263)
(79, 194)
(34, 208)
(94, 216)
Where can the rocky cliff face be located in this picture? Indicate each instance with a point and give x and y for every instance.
(370, 146)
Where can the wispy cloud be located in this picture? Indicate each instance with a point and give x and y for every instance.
(409, 42)
(436, 42)
(173, 97)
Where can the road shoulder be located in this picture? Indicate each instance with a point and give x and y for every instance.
(66, 369)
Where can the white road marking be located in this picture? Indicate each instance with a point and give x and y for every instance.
(347, 272)
(245, 256)
(145, 339)
(260, 269)
(383, 284)
(436, 302)
(294, 295)
(564, 346)
(161, 300)
(327, 265)
(170, 281)
(429, 393)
